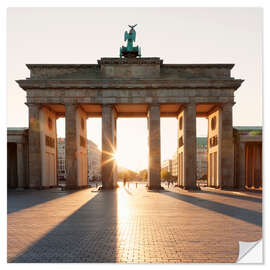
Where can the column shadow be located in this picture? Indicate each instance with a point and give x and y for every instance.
(88, 235)
(19, 200)
(234, 196)
(246, 215)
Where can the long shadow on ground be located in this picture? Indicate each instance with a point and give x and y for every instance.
(234, 196)
(17, 200)
(88, 235)
(246, 215)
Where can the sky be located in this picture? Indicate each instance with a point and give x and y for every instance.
(176, 35)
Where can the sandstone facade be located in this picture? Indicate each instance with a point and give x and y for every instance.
(135, 87)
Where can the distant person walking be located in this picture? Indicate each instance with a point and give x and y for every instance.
(124, 181)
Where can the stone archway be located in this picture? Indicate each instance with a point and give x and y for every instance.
(133, 86)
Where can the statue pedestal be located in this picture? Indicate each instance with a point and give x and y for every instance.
(130, 54)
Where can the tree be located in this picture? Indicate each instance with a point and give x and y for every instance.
(165, 175)
(143, 174)
(126, 173)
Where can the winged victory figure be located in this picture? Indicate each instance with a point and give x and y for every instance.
(129, 50)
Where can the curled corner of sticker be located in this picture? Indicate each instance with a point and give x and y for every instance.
(250, 252)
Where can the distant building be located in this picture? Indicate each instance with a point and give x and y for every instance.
(61, 158)
(174, 165)
(167, 165)
(201, 157)
(94, 159)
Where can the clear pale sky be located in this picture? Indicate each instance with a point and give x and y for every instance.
(176, 35)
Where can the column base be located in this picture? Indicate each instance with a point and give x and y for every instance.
(226, 188)
(47, 187)
(155, 187)
(196, 188)
(74, 187)
(108, 188)
(256, 190)
(239, 187)
(20, 189)
(216, 187)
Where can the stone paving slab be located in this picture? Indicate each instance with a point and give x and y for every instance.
(131, 225)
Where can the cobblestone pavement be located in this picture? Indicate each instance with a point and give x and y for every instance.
(131, 225)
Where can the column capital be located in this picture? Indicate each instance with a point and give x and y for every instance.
(185, 106)
(70, 104)
(108, 105)
(190, 104)
(150, 105)
(153, 111)
(59, 115)
(81, 107)
(71, 107)
(48, 108)
(227, 105)
(33, 105)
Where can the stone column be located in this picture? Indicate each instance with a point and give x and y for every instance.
(48, 142)
(108, 163)
(180, 148)
(190, 146)
(34, 146)
(242, 165)
(214, 148)
(248, 165)
(71, 146)
(82, 146)
(115, 148)
(227, 148)
(154, 146)
(20, 166)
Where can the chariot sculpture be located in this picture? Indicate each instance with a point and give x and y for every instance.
(130, 51)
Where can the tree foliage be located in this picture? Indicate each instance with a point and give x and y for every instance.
(165, 175)
(128, 174)
(143, 174)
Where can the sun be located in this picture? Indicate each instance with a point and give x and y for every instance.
(123, 159)
(117, 157)
(132, 144)
(132, 157)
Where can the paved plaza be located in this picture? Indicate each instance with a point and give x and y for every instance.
(131, 225)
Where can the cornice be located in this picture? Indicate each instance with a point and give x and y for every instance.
(138, 61)
(127, 84)
(30, 66)
(222, 65)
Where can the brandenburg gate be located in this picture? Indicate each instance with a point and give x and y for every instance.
(129, 86)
